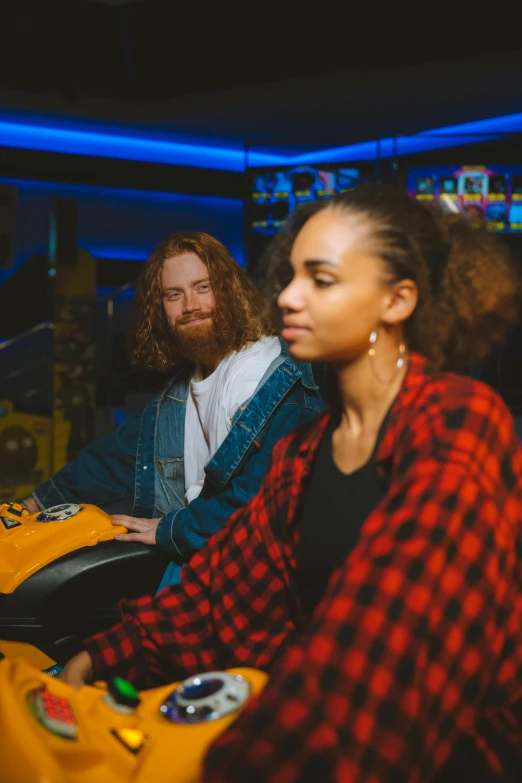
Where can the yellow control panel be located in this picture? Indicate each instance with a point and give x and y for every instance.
(30, 541)
(109, 732)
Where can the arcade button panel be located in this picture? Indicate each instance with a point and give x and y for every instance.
(111, 733)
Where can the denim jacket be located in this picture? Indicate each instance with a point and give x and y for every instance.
(143, 458)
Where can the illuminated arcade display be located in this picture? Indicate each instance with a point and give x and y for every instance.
(275, 194)
(490, 195)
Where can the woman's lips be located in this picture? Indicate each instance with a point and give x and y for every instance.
(293, 332)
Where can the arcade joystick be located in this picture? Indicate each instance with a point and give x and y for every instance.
(209, 696)
(121, 696)
(59, 513)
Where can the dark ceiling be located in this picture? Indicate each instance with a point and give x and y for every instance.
(146, 50)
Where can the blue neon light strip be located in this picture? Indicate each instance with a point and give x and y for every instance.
(37, 135)
(438, 138)
(508, 123)
(139, 250)
(388, 148)
(116, 195)
(29, 136)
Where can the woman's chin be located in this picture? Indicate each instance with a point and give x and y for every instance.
(302, 352)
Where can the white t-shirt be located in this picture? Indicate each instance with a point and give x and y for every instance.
(213, 401)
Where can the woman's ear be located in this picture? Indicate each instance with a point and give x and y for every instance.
(400, 303)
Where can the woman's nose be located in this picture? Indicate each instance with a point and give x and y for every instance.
(289, 298)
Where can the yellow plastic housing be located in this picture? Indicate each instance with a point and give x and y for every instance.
(31, 545)
(110, 747)
(28, 652)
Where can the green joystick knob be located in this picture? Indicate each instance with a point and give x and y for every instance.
(121, 695)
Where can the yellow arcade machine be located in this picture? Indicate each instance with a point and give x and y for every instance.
(109, 732)
(61, 577)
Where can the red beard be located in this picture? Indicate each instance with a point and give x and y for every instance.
(200, 343)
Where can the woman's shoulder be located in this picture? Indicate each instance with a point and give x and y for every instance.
(449, 391)
(460, 412)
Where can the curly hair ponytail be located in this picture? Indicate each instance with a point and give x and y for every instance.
(480, 294)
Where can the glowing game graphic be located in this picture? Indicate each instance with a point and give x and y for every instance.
(275, 194)
(490, 195)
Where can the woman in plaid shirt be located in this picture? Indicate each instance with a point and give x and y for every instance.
(377, 574)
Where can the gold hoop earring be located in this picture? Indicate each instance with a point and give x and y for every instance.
(372, 353)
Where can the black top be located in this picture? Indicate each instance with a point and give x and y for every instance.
(335, 505)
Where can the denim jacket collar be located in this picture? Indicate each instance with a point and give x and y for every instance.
(251, 418)
(169, 408)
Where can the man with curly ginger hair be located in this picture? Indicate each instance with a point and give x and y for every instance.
(200, 449)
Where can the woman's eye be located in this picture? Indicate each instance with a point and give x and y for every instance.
(204, 288)
(322, 283)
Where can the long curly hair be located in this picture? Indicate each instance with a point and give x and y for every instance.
(469, 289)
(241, 314)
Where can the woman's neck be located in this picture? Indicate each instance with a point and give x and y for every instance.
(366, 392)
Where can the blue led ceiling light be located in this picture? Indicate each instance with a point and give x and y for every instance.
(75, 141)
(116, 195)
(59, 136)
(438, 138)
(508, 123)
(383, 148)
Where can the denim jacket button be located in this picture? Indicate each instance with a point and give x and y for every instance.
(144, 467)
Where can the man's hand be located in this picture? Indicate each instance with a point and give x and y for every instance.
(30, 504)
(145, 529)
(77, 671)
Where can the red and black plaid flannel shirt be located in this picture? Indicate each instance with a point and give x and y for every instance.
(417, 642)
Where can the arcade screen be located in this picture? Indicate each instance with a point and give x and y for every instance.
(490, 195)
(275, 194)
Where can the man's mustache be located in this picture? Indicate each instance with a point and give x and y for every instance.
(186, 319)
